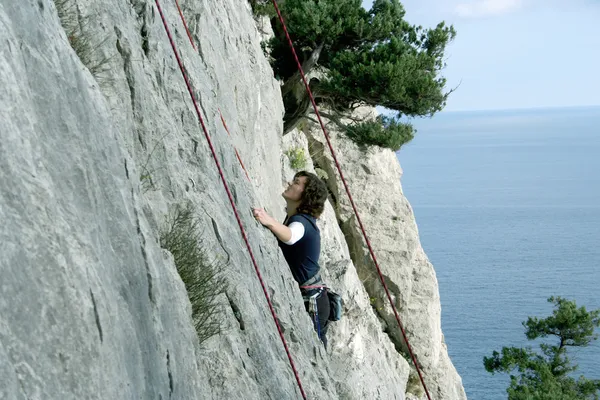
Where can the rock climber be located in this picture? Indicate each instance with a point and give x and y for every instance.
(300, 241)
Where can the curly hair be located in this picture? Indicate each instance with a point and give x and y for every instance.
(314, 195)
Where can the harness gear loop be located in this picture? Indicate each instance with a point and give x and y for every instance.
(313, 306)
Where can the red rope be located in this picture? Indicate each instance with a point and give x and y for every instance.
(236, 151)
(337, 164)
(185, 24)
(237, 154)
(242, 164)
(233, 206)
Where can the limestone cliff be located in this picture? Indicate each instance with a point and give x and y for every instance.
(99, 140)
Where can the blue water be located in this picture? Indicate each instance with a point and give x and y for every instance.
(508, 209)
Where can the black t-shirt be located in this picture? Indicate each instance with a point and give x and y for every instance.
(303, 256)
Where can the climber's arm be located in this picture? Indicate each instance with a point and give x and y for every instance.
(287, 234)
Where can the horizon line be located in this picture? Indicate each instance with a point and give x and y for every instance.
(522, 108)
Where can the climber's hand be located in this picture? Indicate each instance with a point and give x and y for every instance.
(261, 216)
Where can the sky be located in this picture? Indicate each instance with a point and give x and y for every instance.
(515, 54)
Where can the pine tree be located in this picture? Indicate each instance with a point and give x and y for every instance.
(359, 57)
(547, 374)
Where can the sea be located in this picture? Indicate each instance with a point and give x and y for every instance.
(507, 205)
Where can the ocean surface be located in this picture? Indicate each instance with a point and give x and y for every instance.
(508, 209)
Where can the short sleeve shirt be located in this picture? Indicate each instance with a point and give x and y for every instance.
(303, 256)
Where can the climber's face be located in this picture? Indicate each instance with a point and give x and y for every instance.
(295, 189)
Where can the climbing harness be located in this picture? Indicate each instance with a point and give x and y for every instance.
(335, 300)
(337, 164)
(229, 195)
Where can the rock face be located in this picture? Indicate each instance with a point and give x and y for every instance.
(99, 141)
(373, 177)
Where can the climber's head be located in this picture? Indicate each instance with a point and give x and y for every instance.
(307, 192)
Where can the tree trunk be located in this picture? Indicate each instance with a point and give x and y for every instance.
(297, 104)
(307, 67)
(295, 96)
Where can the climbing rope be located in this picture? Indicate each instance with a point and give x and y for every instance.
(189, 35)
(233, 206)
(237, 154)
(337, 164)
(185, 24)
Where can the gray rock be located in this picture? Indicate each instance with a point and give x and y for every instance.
(96, 147)
(89, 307)
(373, 176)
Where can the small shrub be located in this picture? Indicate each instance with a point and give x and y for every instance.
(86, 45)
(414, 385)
(297, 158)
(376, 304)
(384, 132)
(202, 276)
(263, 8)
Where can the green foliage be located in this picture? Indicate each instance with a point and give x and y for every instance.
(86, 45)
(297, 158)
(201, 276)
(413, 385)
(384, 131)
(263, 8)
(545, 375)
(369, 57)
